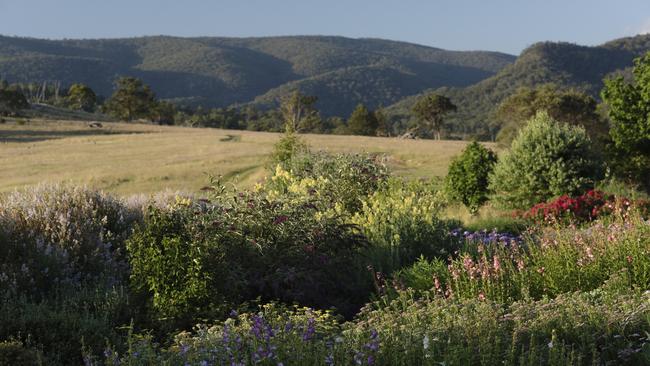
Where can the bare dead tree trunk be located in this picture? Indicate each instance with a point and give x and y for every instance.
(57, 86)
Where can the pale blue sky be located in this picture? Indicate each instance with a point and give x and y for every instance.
(498, 25)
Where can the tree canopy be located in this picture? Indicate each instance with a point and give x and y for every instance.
(363, 121)
(430, 111)
(11, 100)
(628, 105)
(132, 99)
(568, 106)
(547, 159)
(298, 111)
(81, 97)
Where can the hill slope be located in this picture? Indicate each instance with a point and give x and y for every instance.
(217, 72)
(564, 64)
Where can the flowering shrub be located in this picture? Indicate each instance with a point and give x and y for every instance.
(61, 235)
(276, 335)
(572, 329)
(545, 263)
(344, 178)
(402, 222)
(587, 207)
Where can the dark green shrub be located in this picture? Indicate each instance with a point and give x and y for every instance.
(467, 180)
(547, 159)
(203, 259)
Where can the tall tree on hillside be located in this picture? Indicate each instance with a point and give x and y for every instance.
(430, 111)
(362, 122)
(629, 111)
(81, 97)
(132, 99)
(568, 106)
(298, 111)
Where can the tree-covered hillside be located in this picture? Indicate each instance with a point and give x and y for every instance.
(217, 72)
(564, 64)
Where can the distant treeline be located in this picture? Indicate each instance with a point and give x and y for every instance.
(426, 118)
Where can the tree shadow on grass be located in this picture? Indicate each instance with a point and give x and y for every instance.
(36, 136)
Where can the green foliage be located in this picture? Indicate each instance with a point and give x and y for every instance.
(574, 329)
(299, 112)
(563, 64)
(58, 327)
(430, 111)
(551, 262)
(571, 106)
(15, 353)
(401, 222)
(132, 99)
(629, 110)
(363, 122)
(546, 159)
(81, 97)
(345, 179)
(197, 259)
(467, 179)
(290, 146)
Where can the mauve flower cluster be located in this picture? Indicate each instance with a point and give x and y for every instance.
(487, 237)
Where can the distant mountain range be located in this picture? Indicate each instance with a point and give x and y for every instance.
(218, 72)
(342, 72)
(564, 64)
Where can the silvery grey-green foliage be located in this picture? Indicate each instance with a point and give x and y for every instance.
(54, 235)
(546, 159)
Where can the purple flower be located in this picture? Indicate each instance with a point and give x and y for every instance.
(184, 349)
(311, 329)
(329, 360)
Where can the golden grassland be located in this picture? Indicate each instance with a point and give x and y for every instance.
(140, 158)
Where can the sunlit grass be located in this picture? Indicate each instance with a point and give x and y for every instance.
(138, 158)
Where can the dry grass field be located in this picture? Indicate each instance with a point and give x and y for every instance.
(139, 158)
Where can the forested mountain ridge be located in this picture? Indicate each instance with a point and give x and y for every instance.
(217, 72)
(564, 64)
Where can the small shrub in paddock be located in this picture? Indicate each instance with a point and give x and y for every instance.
(288, 148)
(467, 180)
(547, 159)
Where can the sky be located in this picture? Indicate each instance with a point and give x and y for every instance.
(496, 25)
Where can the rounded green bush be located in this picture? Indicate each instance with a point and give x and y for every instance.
(547, 159)
(467, 180)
